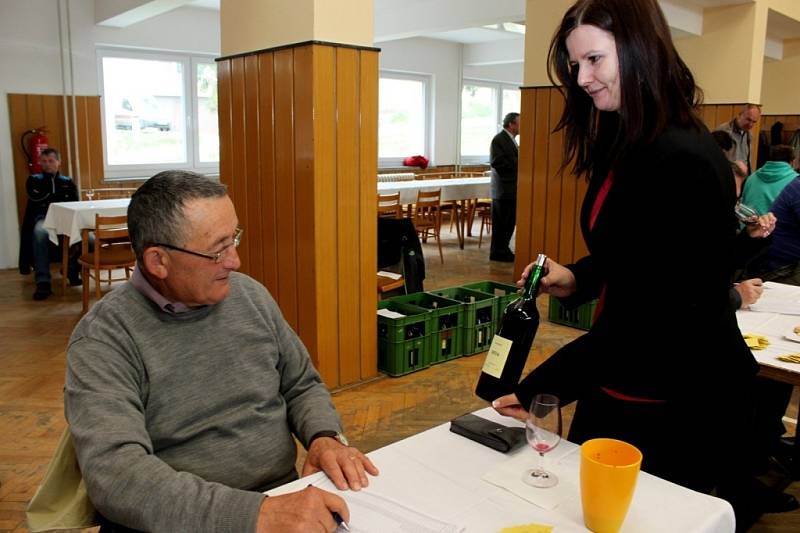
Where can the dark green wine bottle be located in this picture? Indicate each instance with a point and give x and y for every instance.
(512, 343)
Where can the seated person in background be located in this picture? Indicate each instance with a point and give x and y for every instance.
(185, 386)
(763, 187)
(781, 260)
(34, 247)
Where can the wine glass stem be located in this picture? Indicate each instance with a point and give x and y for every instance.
(541, 464)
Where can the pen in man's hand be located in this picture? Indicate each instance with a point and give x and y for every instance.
(337, 517)
(340, 521)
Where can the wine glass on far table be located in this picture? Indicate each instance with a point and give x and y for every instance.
(543, 430)
(90, 194)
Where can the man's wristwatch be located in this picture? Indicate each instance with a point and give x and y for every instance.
(332, 434)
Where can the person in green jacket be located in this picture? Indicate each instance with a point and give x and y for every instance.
(766, 183)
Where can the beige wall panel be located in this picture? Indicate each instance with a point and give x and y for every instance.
(542, 19)
(736, 34)
(779, 90)
(249, 25)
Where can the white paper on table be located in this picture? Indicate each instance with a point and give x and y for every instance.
(387, 274)
(370, 512)
(508, 475)
(388, 313)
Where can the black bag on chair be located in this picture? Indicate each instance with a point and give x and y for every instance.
(398, 245)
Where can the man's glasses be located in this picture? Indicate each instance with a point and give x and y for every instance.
(216, 257)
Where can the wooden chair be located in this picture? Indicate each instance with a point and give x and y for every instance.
(486, 221)
(428, 217)
(108, 193)
(389, 205)
(387, 284)
(112, 250)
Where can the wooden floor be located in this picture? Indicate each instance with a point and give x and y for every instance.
(33, 337)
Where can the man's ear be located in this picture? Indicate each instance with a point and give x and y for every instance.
(156, 262)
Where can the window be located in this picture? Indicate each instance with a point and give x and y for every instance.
(403, 118)
(159, 112)
(483, 106)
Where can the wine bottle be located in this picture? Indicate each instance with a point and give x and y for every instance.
(512, 343)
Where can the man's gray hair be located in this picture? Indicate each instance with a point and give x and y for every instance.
(155, 214)
(509, 118)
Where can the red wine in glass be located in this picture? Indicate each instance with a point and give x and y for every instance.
(543, 431)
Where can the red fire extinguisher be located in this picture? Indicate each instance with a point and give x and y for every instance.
(34, 142)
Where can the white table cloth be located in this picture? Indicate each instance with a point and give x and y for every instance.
(452, 189)
(438, 474)
(68, 218)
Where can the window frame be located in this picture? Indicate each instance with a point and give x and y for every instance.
(427, 83)
(498, 87)
(189, 62)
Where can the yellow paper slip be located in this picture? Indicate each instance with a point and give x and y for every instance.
(528, 528)
(790, 358)
(755, 342)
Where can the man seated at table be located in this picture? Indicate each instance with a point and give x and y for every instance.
(34, 248)
(185, 385)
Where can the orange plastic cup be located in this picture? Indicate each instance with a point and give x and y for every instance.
(609, 469)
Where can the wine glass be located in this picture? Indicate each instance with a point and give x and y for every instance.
(746, 214)
(543, 430)
(90, 194)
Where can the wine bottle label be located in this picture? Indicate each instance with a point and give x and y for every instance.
(496, 358)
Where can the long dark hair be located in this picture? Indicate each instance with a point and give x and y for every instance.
(656, 86)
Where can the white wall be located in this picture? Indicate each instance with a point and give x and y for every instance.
(440, 60)
(510, 73)
(29, 60)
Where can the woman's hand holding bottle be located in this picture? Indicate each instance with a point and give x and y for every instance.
(558, 280)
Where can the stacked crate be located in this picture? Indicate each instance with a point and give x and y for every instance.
(403, 340)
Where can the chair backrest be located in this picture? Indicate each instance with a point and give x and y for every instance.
(108, 230)
(427, 210)
(109, 193)
(389, 205)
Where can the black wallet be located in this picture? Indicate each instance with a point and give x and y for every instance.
(496, 436)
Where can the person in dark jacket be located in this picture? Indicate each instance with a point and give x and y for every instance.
(504, 156)
(669, 375)
(34, 249)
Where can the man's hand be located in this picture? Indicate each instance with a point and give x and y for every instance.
(309, 510)
(750, 291)
(344, 465)
(762, 227)
(508, 405)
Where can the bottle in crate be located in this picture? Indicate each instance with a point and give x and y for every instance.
(512, 343)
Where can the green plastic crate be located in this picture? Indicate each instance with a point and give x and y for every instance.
(472, 301)
(581, 317)
(445, 324)
(478, 338)
(403, 342)
(503, 292)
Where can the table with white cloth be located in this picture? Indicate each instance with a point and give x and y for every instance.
(432, 482)
(775, 315)
(67, 219)
(459, 190)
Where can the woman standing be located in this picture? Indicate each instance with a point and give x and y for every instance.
(664, 366)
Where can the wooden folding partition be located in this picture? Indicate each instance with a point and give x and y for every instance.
(298, 151)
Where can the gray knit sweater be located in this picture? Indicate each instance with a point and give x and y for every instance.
(179, 421)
